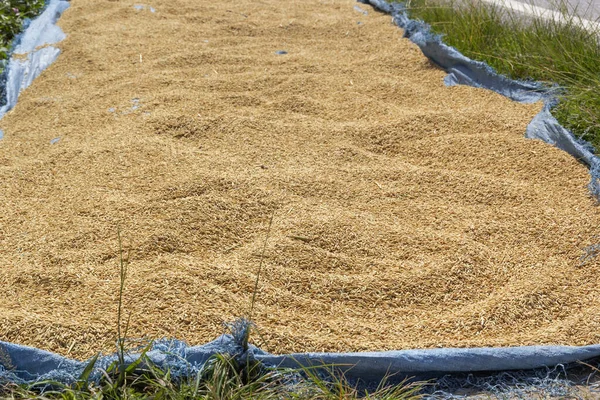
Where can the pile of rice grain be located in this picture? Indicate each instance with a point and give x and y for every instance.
(407, 214)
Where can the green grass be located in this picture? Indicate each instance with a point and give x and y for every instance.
(532, 48)
(222, 377)
(12, 15)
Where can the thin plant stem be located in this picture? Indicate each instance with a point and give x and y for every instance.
(262, 259)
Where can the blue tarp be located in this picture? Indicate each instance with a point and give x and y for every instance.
(24, 364)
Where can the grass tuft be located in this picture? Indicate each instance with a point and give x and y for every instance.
(221, 378)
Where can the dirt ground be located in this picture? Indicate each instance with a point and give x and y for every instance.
(407, 214)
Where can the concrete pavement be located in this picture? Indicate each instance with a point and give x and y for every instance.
(587, 10)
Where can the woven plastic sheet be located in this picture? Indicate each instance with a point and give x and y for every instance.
(22, 364)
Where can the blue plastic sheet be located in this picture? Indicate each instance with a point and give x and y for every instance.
(24, 364)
